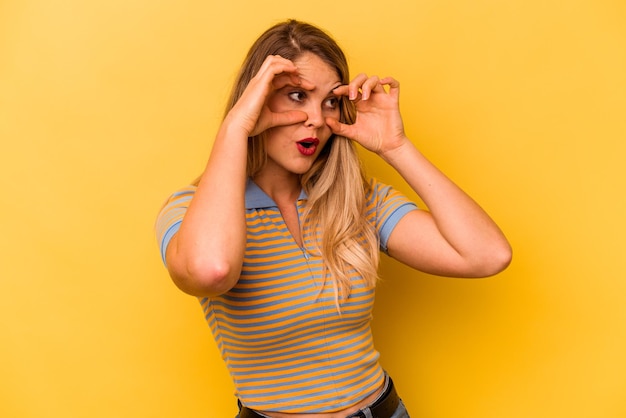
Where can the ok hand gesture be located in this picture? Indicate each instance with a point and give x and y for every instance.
(250, 113)
(378, 126)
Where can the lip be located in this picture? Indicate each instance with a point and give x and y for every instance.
(308, 146)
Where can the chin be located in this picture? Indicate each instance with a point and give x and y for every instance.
(300, 172)
(302, 167)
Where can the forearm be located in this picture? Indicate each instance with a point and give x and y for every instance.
(207, 252)
(465, 226)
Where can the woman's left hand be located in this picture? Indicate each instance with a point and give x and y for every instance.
(378, 126)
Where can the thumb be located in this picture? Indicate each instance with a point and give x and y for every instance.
(339, 128)
(288, 118)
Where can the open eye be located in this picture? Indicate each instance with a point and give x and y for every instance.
(297, 96)
(332, 103)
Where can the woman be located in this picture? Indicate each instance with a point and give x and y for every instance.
(280, 236)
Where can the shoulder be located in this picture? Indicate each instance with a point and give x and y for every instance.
(183, 194)
(378, 193)
(385, 207)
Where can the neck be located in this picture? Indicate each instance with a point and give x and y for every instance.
(281, 188)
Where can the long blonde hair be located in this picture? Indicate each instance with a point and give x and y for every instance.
(335, 184)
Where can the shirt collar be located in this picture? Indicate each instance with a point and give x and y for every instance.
(257, 198)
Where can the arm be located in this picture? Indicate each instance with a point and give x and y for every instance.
(455, 237)
(205, 256)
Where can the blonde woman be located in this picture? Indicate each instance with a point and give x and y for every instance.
(280, 236)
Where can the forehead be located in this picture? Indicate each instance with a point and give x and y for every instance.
(312, 68)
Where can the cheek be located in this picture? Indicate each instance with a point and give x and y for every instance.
(280, 134)
(335, 114)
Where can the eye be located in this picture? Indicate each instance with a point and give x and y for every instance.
(297, 96)
(332, 103)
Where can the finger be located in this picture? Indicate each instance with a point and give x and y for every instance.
(344, 91)
(286, 79)
(269, 119)
(394, 86)
(340, 129)
(355, 86)
(370, 85)
(307, 85)
(279, 71)
(341, 90)
(275, 64)
(291, 79)
(287, 118)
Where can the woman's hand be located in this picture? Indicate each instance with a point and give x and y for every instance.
(378, 126)
(251, 113)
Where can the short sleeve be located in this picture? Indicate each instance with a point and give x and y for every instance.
(386, 206)
(171, 216)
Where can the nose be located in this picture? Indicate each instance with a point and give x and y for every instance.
(315, 117)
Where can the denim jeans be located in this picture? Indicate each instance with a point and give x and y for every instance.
(401, 412)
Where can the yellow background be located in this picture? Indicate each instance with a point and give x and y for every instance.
(108, 106)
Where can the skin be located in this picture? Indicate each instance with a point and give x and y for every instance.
(455, 237)
(291, 101)
(280, 177)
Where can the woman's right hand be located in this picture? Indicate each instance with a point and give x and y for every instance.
(251, 113)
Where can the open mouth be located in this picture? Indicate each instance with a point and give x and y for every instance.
(308, 146)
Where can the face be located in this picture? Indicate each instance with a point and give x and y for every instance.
(292, 149)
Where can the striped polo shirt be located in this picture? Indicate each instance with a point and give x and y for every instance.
(285, 344)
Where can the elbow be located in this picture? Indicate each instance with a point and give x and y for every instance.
(501, 259)
(494, 261)
(205, 278)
